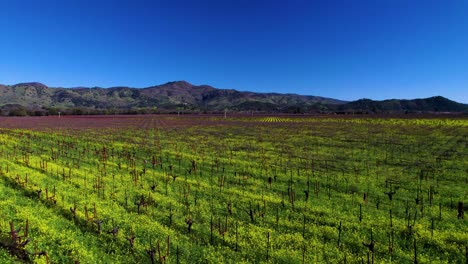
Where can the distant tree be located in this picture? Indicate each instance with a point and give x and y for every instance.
(18, 111)
(39, 113)
(77, 111)
(52, 111)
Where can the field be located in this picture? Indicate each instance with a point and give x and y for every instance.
(241, 189)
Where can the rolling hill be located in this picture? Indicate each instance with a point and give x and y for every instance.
(38, 98)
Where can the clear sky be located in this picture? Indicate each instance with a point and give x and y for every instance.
(347, 49)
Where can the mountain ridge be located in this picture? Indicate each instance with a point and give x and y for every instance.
(184, 96)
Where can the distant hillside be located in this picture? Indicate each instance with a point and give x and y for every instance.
(38, 99)
(174, 96)
(431, 104)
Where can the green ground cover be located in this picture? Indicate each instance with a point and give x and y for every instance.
(236, 190)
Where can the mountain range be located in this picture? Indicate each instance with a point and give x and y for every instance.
(179, 96)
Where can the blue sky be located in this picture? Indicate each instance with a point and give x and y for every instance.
(341, 49)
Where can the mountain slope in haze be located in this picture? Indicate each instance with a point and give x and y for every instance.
(181, 95)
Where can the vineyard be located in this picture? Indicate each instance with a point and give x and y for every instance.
(241, 189)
